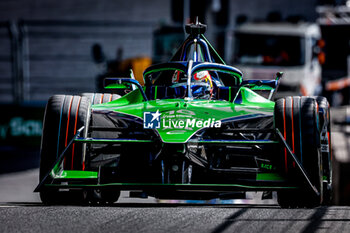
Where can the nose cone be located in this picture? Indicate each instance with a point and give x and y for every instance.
(179, 124)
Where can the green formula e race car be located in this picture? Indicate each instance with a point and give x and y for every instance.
(195, 130)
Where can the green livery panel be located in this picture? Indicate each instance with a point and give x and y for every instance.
(181, 118)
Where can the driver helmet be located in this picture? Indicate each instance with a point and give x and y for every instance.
(204, 77)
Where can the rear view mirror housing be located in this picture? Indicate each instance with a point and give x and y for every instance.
(123, 83)
(110, 83)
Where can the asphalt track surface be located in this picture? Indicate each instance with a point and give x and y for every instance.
(21, 211)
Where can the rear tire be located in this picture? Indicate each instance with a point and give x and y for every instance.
(64, 115)
(297, 119)
(100, 98)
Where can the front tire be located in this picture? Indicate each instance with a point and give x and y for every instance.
(105, 196)
(64, 115)
(297, 119)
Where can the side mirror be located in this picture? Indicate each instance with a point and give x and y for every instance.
(279, 75)
(123, 83)
(112, 83)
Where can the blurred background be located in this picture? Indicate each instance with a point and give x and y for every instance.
(67, 47)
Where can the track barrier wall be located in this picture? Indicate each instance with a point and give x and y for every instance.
(20, 135)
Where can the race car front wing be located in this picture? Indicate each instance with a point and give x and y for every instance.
(57, 178)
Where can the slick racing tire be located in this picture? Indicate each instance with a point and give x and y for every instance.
(100, 98)
(64, 116)
(326, 148)
(297, 120)
(105, 196)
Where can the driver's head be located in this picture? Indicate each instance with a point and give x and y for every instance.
(205, 78)
(202, 76)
